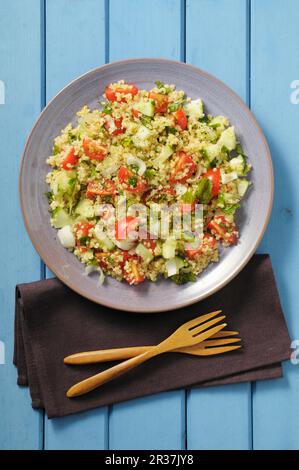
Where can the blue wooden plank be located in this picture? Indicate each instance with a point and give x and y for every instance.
(275, 65)
(75, 35)
(149, 28)
(216, 41)
(153, 29)
(155, 422)
(213, 416)
(85, 431)
(20, 75)
(75, 43)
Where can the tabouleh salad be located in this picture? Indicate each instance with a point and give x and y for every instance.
(147, 147)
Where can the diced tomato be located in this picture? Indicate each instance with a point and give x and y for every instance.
(187, 207)
(95, 189)
(185, 167)
(118, 124)
(131, 182)
(111, 94)
(207, 241)
(101, 258)
(161, 102)
(214, 176)
(181, 118)
(170, 191)
(134, 276)
(150, 244)
(82, 228)
(70, 160)
(94, 150)
(125, 226)
(224, 229)
(136, 113)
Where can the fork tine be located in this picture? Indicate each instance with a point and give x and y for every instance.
(207, 333)
(201, 319)
(199, 327)
(219, 342)
(225, 333)
(221, 350)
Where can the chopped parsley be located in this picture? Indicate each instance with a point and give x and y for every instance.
(183, 277)
(132, 181)
(50, 196)
(84, 241)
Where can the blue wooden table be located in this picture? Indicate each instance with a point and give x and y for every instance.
(253, 46)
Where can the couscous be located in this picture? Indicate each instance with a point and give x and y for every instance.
(146, 150)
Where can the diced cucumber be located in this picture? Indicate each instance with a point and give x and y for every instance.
(61, 181)
(228, 177)
(85, 208)
(228, 139)
(66, 237)
(242, 185)
(219, 123)
(61, 218)
(168, 248)
(131, 160)
(212, 151)
(125, 245)
(104, 241)
(165, 153)
(144, 253)
(173, 266)
(106, 244)
(194, 109)
(146, 107)
(140, 139)
(228, 198)
(238, 164)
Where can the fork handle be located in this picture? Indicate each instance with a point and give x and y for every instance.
(95, 381)
(105, 355)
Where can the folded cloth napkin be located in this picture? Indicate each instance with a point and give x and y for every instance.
(52, 322)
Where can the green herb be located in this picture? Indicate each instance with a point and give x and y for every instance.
(84, 241)
(159, 84)
(163, 87)
(239, 149)
(171, 130)
(231, 209)
(106, 108)
(132, 181)
(188, 197)
(146, 121)
(215, 126)
(127, 142)
(175, 106)
(134, 168)
(71, 137)
(110, 260)
(183, 277)
(94, 172)
(149, 173)
(56, 149)
(204, 190)
(205, 118)
(107, 198)
(221, 200)
(49, 195)
(72, 182)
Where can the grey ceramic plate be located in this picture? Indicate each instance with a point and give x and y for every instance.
(163, 295)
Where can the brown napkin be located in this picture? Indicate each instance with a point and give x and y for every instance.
(52, 322)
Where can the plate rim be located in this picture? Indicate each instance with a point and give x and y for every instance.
(222, 283)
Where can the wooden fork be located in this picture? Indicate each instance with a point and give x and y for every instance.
(189, 334)
(219, 343)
